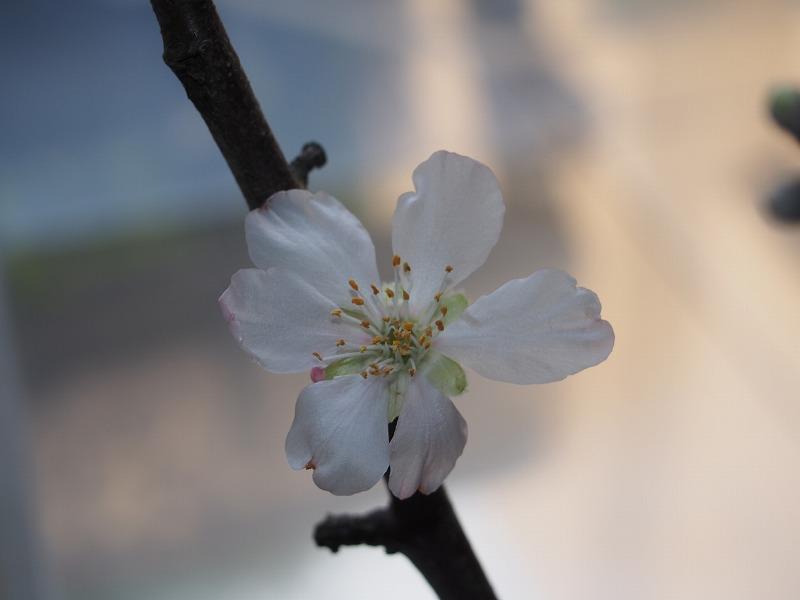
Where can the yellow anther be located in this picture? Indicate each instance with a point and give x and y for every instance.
(364, 374)
(340, 342)
(389, 293)
(362, 349)
(444, 311)
(440, 325)
(406, 267)
(448, 269)
(406, 295)
(429, 331)
(395, 261)
(378, 339)
(375, 289)
(357, 301)
(317, 355)
(387, 371)
(387, 319)
(353, 284)
(423, 339)
(336, 312)
(438, 297)
(365, 324)
(408, 326)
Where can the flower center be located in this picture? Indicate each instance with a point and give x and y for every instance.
(399, 340)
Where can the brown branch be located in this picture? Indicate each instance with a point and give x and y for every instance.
(427, 531)
(197, 49)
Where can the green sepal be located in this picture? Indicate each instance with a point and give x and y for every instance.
(444, 373)
(456, 304)
(356, 314)
(346, 366)
(397, 394)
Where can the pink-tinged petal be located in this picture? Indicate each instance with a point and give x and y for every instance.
(533, 330)
(315, 237)
(281, 320)
(453, 218)
(429, 438)
(317, 374)
(340, 431)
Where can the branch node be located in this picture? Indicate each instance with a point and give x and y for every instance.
(311, 157)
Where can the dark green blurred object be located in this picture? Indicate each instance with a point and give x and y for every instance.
(784, 106)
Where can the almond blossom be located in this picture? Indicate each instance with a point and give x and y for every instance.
(380, 351)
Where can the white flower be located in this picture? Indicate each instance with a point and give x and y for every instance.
(382, 350)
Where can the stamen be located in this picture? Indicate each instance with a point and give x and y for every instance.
(364, 374)
(406, 295)
(353, 284)
(440, 325)
(389, 293)
(340, 342)
(408, 326)
(406, 267)
(444, 311)
(362, 349)
(357, 301)
(317, 355)
(336, 312)
(365, 324)
(438, 297)
(375, 290)
(448, 269)
(396, 260)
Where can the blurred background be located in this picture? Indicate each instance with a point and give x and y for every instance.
(142, 452)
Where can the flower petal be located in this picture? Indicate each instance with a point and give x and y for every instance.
(454, 218)
(314, 236)
(534, 330)
(340, 430)
(429, 438)
(281, 320)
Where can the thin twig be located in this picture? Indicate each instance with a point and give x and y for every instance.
(198, 51)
